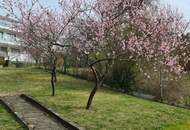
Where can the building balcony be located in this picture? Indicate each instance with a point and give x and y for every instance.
(5, 27)
(8, 42)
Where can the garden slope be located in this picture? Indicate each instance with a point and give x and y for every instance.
(110, 110)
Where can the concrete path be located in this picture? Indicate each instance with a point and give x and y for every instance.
(35, 118)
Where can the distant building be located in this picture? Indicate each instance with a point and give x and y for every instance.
(10, 48)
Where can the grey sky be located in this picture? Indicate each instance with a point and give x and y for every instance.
(182, 5)
(50, 3)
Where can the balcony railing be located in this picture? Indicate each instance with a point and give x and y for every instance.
(8, 41)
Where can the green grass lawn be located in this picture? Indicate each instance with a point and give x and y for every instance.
(7, 122)
(110, 110)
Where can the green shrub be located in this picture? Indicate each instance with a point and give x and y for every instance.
(6, 63)
(2, 60)
(20, 64)
(123, 76)
(82, 73)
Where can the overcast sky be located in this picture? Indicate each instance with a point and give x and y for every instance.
(182, 5)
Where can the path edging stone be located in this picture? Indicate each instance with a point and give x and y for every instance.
(70, 125)
(16, 117)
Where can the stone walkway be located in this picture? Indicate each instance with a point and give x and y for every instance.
(35, 118)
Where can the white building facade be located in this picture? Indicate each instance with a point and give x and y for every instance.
(10, 48)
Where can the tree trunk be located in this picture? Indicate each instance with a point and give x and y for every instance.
(53, 79)
(93, 92)
(125, 89)
(52, 83)
(65, 65)
(55, 75)
(37, 62)
(91, 97)
(161, 84)
(99, 83)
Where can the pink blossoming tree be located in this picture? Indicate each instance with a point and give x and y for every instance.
(104, 31)
(42, 28)
(128, 30)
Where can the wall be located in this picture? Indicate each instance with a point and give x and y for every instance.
(9, 44)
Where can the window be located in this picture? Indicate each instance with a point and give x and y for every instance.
(11, 37)
(15, 51)
(1, 35)
(4, 23)
(4, 49)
